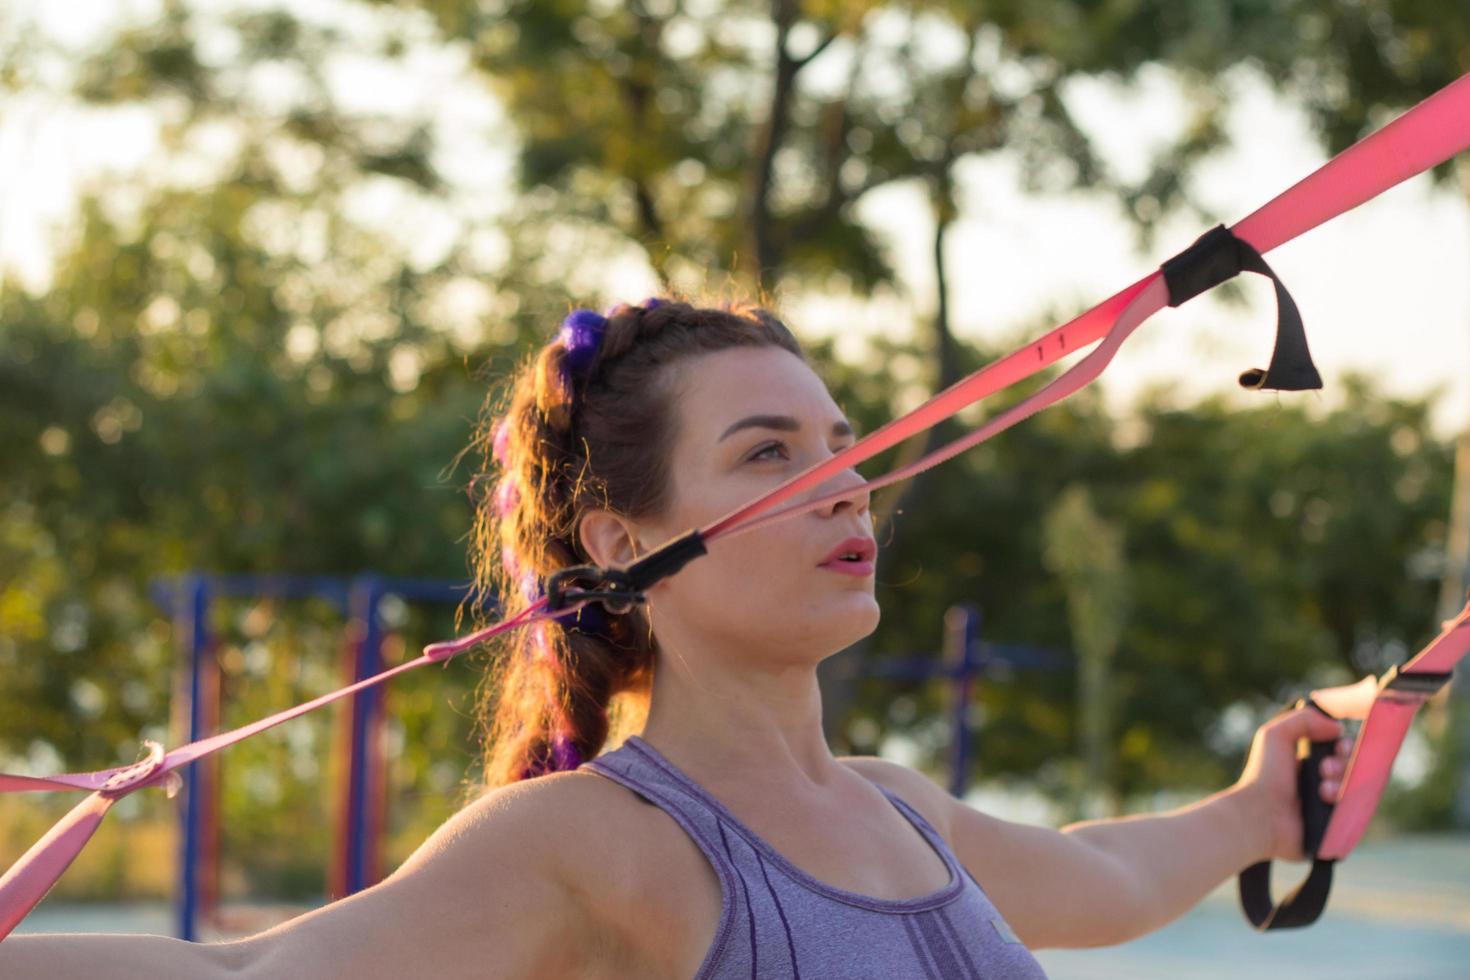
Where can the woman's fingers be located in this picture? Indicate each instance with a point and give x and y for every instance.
(1333, 768)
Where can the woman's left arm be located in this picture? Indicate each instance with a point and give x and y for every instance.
(1104, 882)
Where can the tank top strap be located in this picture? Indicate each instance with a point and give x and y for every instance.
(924, 826)
(646, 780)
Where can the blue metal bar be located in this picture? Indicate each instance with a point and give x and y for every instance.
(1021, 657)
(196, 621)
(424, 590)
(962, 638)
(986, 655)
(366, 594)
(166, 593)
(965, 658)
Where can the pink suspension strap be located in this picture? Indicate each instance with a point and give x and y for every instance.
(1433, 131)
(33, 874)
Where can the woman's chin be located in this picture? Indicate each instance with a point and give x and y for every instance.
(851, 617)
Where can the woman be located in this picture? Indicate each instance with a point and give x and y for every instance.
(725, 839)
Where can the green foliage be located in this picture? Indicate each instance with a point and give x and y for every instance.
(234, 370)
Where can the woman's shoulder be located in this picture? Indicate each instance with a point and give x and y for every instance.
(596, 836)
(567, 834)
(625, 863)
(573, 819)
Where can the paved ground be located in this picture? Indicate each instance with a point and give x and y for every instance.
(1400, 910)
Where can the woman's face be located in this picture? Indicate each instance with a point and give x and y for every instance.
(745, 421)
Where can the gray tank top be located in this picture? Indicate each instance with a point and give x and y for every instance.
(777, 921)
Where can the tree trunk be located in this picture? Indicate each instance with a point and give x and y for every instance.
(761, 258)
(1451, 710)
(946, 359)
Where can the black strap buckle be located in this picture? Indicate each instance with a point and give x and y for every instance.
(619, 589)
(610, 586)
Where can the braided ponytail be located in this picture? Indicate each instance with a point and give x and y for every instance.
(575, 436)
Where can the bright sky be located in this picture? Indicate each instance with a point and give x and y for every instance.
(1383, 289)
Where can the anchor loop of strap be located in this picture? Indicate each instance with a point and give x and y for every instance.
(1219, 254)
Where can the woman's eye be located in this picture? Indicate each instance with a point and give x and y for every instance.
(780, 448)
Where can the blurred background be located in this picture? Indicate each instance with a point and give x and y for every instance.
(260, 264)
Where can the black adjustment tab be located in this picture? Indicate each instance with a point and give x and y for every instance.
(610, 586)
(1211, 260)
(1218, 255)
(1421, 682)
(666, 560)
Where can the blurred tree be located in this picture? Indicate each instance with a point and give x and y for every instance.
(1086, 553)
(746, 135)
(234, 368)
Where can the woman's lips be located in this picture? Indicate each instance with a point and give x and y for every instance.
(859, 568)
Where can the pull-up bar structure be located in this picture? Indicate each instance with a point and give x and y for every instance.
(357, 858)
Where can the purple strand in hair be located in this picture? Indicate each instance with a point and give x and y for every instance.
(541, 649)
(530, 586)
(563, 757)
(509, 562)
(501, 442)
(506, 497)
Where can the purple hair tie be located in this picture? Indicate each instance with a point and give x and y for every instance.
(509, 562)
(564, 754)
(591, 618)
(530, 585)
(581, 336)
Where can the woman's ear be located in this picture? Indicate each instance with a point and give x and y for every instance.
(607, 538)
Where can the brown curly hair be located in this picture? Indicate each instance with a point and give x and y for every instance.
(554, 693)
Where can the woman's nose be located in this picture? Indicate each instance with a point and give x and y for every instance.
(859, 499)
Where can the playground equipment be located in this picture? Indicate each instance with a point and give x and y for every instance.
(356, 859)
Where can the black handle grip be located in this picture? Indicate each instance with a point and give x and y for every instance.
(1316, 812)
(1304, 905)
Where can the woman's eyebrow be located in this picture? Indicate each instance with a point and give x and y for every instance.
(782, 423)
